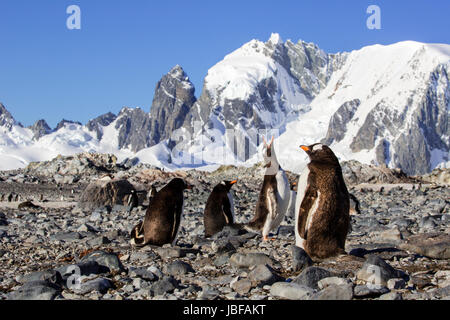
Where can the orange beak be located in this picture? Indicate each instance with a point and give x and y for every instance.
(305, 148)
(233, 182)
(294, 183)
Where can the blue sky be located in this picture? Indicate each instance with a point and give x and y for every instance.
(125, 47)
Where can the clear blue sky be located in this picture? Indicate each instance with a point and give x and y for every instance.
(124, 47)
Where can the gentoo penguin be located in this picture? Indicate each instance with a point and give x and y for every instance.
(322, 205)
(219, 209)
(274, 196)
(133, 201)
(291, 207)
(137, 233)
(163, 217)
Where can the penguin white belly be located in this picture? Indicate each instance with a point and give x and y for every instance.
(301, 190)
(291, 207)
(179, 226)
(283, 197)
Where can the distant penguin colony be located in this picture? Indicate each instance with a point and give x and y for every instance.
(274, 197)
(322, 205)
(163, 217)
(219, 209)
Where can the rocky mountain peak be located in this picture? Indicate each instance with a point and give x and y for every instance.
(6, 119)
(63, 122)
(174, 96)
(99, 122)
(40, 128)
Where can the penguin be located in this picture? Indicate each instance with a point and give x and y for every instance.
(137, 233)
(219, 209)
(133, 201)
(291, 207)
(163, 217)
(322, 206)
(274, 196)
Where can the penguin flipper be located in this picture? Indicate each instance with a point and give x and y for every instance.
(227, 211)
(137, 235)
(272, 203)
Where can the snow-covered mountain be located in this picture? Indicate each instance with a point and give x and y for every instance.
(380, 104)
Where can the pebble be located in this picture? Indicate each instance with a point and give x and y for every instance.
(291, 291)
(311, 276)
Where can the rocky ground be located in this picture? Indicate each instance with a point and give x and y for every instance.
(399, 246)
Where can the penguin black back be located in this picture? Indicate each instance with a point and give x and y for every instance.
(163, 217)
(219, 208)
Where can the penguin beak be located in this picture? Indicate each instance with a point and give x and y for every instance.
(233, 182)
(305, 148)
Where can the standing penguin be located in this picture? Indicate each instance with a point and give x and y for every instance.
(274, 197)
(163, 217)
(219, 209)
(322, 205)
(291, 207)
(137, 233)
(133, 201)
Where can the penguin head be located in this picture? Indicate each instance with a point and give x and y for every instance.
(269, 153)
(180, 184)
(320, 153)
(228, 184)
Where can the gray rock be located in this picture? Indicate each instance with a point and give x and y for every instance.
(98, 241)
(300, 258)
(100, 284)
(335, 292)
(208, 293)
(66, 236)
(363, 291)
(222, 245)
(247, 260)
(391, 296)
(142, 256)
(311, 276)
(242, 286)
(178, 268)
(377, 272)
(433, 245)
(36, 290)
(325, 282)
(291, 291)
(396, 284)
(105, 260)
(263, 275)
(164, 285)
(52, 276)
(142, 273)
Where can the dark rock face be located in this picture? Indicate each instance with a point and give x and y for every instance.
(134, 129)
(311, 276)
(173, 99)
(64, 122)
(6, 119)
(99, 122)
(338, 122)
(40, 128)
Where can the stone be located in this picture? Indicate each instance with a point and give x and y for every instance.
(36, 290)
(263, 275)
(100, 285)
(391, 296)
(291, 291)
(66, 236)
(84, 268)
(363, 291)
(242, 286)
(396, 284)
(247, 260)
(178, 267)
(98, 241)
(208, 293)
(311, 276)
(325, 282)
(222, 246)
(335, 292)
(432, 245)
(377, 272)
(142, 256)
(300, 259)
(393, 235)
(142, 273)
(164, 285)
(105, 260)
(51, 276)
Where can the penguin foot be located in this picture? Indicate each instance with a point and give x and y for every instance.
(266, 238)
